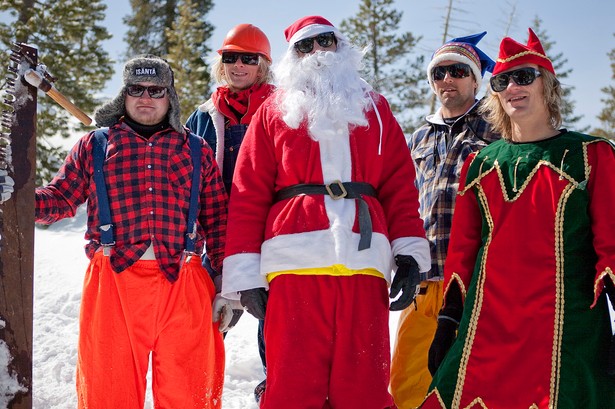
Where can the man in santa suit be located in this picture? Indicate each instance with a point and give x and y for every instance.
(323, 213)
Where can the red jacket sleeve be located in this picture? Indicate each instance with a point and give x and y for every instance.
(465, 239)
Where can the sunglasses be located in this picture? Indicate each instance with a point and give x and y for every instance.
(247, 59)
(522, 76)
(458, 70)
(154, 91)
(325, 40)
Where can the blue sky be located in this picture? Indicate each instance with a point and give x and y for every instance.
(582, 31)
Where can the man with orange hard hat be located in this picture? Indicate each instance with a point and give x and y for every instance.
(242, 70)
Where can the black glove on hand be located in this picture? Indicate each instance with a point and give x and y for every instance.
(255, 301)
(406, 280)
(446, 332)
(442, 342)
(610, 291)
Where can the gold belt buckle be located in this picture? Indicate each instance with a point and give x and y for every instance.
(333, 195)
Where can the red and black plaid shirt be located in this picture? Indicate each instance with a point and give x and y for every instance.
(148, 183)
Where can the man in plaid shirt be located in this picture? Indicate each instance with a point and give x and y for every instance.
(439, 149)
(147, 292)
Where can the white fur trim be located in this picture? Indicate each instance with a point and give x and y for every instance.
(324, 248)
(454, 57)
(311, 31)
(242, 272)
(416, 247)
(379, 123)
(319, 248)
(218, 121)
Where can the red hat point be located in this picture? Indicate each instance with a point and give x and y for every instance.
(513, 53)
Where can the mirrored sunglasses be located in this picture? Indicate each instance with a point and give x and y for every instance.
(522, 76)
(458, 70)
(154, 91)
(247, 59)
(324, 40)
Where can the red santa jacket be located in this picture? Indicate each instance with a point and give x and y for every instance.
(311, 231)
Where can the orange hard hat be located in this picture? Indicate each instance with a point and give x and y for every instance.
(247, 38)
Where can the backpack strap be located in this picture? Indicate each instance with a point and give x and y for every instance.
(104, 212)
(196, 157)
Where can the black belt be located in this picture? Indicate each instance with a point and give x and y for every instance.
(338, 190)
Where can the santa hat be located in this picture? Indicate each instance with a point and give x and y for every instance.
(513, 53)
(309, 26)
(463, 50)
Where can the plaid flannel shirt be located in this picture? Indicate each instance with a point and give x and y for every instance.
(148, 183)
(438, 151)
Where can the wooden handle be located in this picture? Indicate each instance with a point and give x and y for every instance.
(69, 106)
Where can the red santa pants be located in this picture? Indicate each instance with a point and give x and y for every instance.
(127, 316)
(327, 343)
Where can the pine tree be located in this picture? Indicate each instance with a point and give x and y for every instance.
(559, 64)
(152, 22)
(68, 35)
(147, 27)
(188, 44)
(390, 66)
(607, 114)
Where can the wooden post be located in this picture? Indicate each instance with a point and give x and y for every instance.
(17, 224)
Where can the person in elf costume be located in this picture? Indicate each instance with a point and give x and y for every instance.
(439, 148)
(242, 70)
(531, 256)
(320, 213)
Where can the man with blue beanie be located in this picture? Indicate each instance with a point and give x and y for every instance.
(438, 149)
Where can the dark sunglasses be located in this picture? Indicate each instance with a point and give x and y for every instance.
(522, 76)
(154, 91)
(458, 70)
(247, 59)
(324, 40)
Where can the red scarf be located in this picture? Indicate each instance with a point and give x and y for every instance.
(239, 107)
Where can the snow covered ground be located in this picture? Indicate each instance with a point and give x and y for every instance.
(60, 264)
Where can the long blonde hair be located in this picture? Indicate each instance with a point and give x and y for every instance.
(494, 113)
(265, 75)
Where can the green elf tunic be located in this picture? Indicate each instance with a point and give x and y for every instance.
(532, 240)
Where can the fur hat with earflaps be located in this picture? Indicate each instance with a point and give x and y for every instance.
(143, 68)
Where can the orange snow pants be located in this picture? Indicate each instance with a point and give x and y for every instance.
(327, 343)
(410, 377)
(128, 316)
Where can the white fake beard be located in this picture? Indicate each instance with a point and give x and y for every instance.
(325, 88)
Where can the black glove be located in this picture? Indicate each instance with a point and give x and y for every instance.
(610, 291)
(406, 280)
(237, 313)
(255, 301)
(446, 332)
